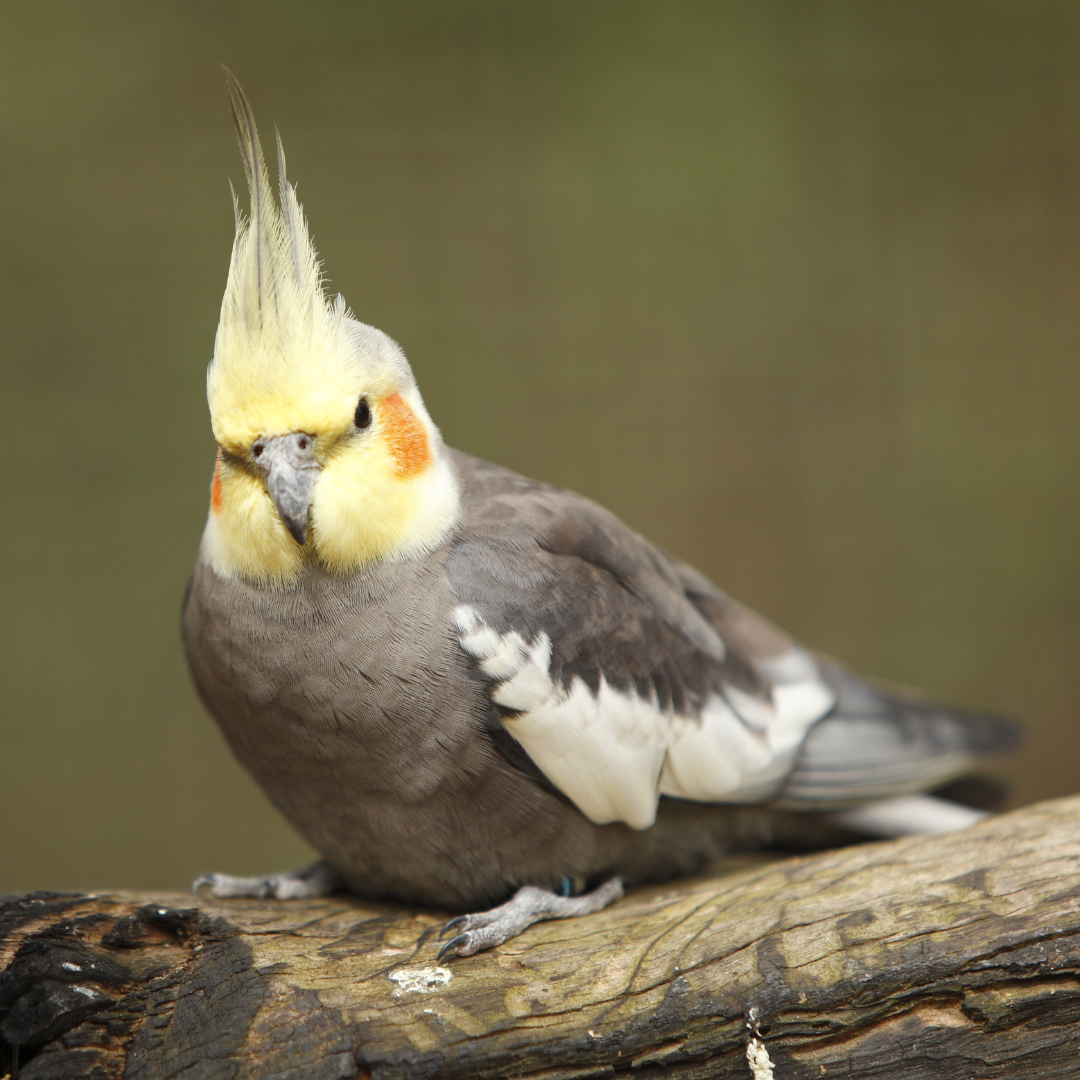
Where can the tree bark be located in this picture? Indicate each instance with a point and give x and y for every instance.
(931, 957)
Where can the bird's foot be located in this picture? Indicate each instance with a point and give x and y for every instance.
(486, 929)
(318, 879)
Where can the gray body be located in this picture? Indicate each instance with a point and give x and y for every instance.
(352, 702)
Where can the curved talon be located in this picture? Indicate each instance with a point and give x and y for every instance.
(453, 924)
(456, 946)
(200, 881)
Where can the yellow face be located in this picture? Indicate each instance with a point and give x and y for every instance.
(381, 485)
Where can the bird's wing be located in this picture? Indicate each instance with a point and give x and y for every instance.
(621, 673)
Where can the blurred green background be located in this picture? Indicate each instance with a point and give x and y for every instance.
(793, 287)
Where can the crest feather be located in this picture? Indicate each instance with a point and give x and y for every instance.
(275, 281)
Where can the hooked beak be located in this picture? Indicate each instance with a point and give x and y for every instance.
(290, 469)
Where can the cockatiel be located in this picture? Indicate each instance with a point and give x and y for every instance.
(461, 685)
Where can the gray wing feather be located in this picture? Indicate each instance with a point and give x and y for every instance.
(623, 673)
(534, 558)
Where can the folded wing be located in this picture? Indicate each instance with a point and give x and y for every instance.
(620, 674)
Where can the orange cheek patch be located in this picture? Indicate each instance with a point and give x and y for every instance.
(404, 436)
(215, 486)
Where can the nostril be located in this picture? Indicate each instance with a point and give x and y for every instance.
(257, 450)
(302, 442)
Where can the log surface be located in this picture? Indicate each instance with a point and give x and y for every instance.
(942, 957)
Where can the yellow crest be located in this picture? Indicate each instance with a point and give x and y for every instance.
(284, 354)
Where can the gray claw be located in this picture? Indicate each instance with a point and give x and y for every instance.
(200, 881)
(458, 946)
(453, 924)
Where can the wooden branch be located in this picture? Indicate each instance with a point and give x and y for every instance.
(943, 957)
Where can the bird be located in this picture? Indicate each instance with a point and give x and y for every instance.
(469, 689)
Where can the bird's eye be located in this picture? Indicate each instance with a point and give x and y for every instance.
(363, 414)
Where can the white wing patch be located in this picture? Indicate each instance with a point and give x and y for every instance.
(613, 754)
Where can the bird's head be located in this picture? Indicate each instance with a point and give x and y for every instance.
(326, 452)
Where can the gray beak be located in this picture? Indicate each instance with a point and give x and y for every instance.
(290, 469)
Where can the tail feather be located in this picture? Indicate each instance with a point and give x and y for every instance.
(884, 744)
